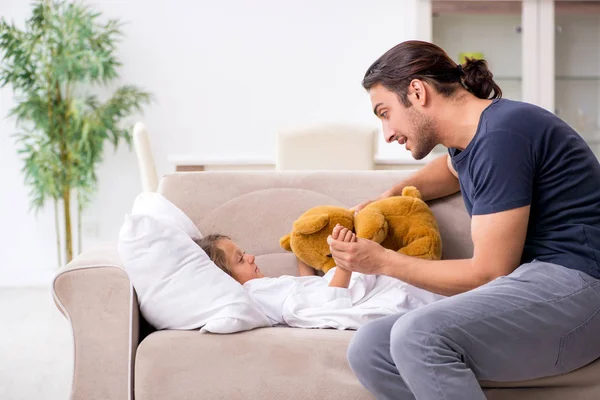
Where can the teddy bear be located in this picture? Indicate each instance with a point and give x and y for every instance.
(400, 223)
(308, 239)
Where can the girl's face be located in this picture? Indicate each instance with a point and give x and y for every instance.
(241, 265)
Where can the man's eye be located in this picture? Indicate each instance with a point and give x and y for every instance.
(384, 114)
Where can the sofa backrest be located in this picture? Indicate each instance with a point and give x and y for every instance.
(256, 208)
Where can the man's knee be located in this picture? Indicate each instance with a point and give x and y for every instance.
(417, 329)
(361, 347)
(356, 350)
(368, 343)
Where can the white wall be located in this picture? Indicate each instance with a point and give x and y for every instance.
(225, 76)
(27, 244)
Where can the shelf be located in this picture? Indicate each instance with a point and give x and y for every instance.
(577, 7)
(558, 78)
(509, 7)
(475, 7)
(577, 78)
(508, 78)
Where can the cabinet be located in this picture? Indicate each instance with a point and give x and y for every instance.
(545, 52)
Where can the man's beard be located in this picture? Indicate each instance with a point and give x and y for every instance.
(424, 137)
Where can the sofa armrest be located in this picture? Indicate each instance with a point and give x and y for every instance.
(95, 294)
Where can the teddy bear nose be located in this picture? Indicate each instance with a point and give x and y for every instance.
(329, 255)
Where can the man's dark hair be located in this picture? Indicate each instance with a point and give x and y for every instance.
(422, 60)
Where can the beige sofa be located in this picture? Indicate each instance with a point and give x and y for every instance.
(117, 356)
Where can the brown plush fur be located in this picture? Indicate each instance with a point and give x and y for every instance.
(308, 239)
(401, 223)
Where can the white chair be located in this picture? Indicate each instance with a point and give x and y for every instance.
(327, 147)
(141, 143)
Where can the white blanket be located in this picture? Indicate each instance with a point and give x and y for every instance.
(308, 301)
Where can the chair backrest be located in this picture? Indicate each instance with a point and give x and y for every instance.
(141, 143)
(327, 147)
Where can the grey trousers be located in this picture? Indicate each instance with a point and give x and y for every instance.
(541, 320)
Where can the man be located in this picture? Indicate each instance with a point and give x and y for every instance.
(527, 304)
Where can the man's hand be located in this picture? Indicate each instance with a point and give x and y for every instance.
(363, 256)
(360, 206)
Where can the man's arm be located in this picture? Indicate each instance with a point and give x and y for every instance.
(436, 179)
(498, 241)
(451, 167)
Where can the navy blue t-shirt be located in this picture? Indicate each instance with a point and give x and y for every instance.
(524, 155)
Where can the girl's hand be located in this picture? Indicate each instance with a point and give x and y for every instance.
(341, 276)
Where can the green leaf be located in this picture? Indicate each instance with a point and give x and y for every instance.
(63, 51)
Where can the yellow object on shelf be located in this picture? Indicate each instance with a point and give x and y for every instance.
(462, 57)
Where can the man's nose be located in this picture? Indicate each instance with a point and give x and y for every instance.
(388, 133)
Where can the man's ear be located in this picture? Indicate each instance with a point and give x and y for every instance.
(417, 92)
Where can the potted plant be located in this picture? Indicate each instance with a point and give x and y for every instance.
(52, 65)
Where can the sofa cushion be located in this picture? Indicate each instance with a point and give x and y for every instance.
(278, 362)
(269, 363)
(251, 217)
(277, 264)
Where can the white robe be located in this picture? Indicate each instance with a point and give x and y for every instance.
(308, 301)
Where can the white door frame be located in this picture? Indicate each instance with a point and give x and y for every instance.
(424, 30)
(547, 32)
(530, 52)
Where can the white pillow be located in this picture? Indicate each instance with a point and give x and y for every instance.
(178, 286)
(159, 207)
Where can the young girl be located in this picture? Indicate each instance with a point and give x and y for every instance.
(340, 299)
(241, 267)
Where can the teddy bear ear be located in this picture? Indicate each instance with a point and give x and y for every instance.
(411, 191)
(284, 242)
(311, 223)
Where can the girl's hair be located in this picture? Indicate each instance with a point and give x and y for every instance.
(415, 59)
(209, 245)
